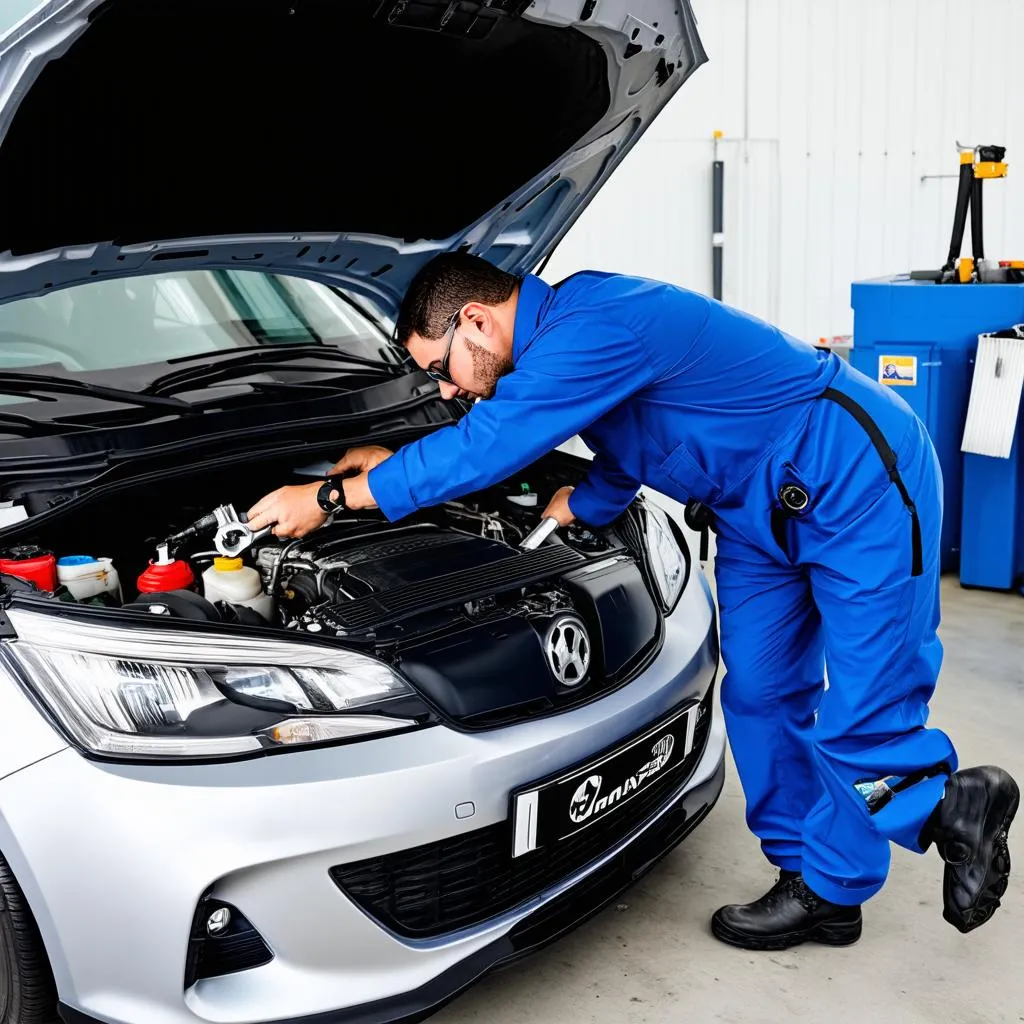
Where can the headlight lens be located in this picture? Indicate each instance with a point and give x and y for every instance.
(667, 562)
(151, 693)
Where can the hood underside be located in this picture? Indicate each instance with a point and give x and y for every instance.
(347, 140)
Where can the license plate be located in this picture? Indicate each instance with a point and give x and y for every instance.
(554, 810)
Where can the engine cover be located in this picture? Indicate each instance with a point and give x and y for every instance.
(382, 584)
(396, 560)
(488, 632)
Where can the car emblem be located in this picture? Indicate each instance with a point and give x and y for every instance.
(567, 647)
(583, 799)
(662, 751)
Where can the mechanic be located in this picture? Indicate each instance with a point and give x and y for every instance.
(824, 492)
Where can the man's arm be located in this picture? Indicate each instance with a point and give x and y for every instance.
(570, 376)
(604, 494)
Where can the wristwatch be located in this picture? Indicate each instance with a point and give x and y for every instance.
(323, 495)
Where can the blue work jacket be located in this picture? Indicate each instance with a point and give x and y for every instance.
(669, 388)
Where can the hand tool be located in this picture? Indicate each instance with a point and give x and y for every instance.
(539, 534)
(233, 534)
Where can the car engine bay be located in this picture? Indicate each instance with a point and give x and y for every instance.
(448, 596)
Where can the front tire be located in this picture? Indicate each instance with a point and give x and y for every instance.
(28, 994)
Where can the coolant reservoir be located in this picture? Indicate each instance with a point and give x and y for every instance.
(86, 577)
(231, 580)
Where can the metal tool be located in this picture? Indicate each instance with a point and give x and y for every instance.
(539, 534)
(233, 534)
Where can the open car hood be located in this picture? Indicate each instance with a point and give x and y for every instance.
(342, 140)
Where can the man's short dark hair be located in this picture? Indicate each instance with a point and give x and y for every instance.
(446, 284)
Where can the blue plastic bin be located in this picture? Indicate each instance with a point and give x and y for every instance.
(919, 337)
(992, 538)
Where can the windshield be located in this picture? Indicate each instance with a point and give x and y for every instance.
(107, 325)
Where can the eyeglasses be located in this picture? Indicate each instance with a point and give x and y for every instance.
(442, 374)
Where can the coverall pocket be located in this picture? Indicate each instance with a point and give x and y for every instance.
(681, 469)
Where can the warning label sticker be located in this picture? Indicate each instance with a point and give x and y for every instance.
(899, 371)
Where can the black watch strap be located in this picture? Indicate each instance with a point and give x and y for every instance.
(323, 495)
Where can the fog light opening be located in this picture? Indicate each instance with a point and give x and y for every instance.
(222, 941)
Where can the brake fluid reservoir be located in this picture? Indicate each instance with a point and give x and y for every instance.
(231, 580)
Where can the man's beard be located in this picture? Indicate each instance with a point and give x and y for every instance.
(488, 368)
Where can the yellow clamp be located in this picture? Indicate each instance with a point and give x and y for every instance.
(988, 169)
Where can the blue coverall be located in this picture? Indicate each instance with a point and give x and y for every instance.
(701, 402)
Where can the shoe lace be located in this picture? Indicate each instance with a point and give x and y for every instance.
(797, 889)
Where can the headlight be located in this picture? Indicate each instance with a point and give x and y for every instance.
(666, 560)
(151, 693)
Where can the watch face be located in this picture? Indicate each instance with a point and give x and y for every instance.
(323, 497)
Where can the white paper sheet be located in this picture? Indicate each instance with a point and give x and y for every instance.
(995, 396)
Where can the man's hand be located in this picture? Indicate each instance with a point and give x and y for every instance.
(361, 459)
(558, 507)
(293, 509)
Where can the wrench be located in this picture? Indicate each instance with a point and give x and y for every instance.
(233, 534)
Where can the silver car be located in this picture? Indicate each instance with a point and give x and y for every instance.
(338, 778)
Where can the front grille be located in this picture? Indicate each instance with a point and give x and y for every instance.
(457, 882)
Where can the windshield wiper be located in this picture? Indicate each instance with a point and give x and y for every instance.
(258, 359)
(312, 348)
(14, 423)
(33, 384)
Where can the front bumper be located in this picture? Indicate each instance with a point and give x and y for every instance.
(559, 915)
(114, 858)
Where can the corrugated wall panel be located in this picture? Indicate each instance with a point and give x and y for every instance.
(834, 111)
(930, 213)
(898, 113)
(756, 285)
(822, 133)
(793, 84)
(852, 29)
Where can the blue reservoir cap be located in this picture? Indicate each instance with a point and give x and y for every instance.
(75, 560)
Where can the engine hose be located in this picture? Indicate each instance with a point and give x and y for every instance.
(208, 522)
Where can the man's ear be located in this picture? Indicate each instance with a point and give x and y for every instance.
(480, 317)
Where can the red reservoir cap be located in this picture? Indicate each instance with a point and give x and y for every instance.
(30, 563)
(176, 575)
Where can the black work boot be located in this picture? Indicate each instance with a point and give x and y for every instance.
(969, 827)
(787, 915)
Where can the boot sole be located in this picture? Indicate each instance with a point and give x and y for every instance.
(830, 933)
(997, 877)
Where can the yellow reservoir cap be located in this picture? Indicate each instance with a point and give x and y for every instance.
(227, 564)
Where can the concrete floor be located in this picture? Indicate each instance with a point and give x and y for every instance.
(652, 959)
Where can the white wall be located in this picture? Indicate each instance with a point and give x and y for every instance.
(833, 110)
